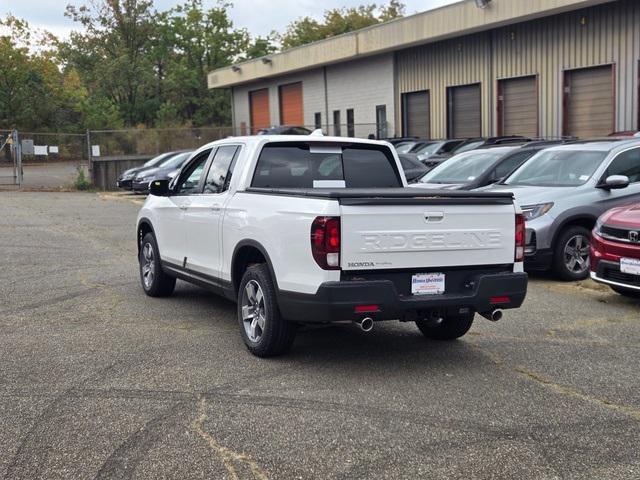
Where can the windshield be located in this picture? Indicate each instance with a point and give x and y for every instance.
(155, 161)
(405, 147)
(428, 148)
(462, 168)
(560, 168)
(469, 146)
(177, 161)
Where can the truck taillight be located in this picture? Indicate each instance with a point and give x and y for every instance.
(520, 238)
(325, 242)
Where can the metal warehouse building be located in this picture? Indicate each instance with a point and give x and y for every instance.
(529, 67)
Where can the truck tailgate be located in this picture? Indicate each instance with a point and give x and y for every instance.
(377, 235)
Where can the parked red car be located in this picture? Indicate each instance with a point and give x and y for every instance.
(615, 250)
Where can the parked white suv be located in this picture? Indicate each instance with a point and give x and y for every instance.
(312, 229)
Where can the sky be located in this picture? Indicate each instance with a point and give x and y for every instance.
(258, 16)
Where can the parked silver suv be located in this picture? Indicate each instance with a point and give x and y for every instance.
(563, 190)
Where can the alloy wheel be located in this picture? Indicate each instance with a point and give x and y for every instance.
(253, 311)
(576, 254)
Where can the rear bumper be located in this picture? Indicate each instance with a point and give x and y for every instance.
(337, 300)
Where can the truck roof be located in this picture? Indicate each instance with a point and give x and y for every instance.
(262, 139)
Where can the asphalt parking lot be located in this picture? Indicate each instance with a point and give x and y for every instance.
(99, 381)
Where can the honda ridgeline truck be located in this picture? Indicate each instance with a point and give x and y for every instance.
(313, 229)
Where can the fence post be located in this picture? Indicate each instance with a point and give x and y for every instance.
(90, 166)
(18, 159)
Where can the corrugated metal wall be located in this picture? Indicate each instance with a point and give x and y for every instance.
(607, 34)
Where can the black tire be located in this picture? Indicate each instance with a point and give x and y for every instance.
(560, 264)
(158, 283)
(627, 292)
(276, 334)
(452, 327)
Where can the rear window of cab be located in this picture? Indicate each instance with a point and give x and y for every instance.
(299, 165)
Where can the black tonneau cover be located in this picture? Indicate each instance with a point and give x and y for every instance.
(392, 196)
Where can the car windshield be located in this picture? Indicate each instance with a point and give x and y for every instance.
(177, 161)
(462, 168)
(559, 168)
(469, 146)
(404, 147)
(155, 161)
(428, 148)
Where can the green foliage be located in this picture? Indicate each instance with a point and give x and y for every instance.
(130, 65)
(81, 182)
(339, 21)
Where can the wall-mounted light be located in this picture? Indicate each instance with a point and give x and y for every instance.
(266, 60)
(482, 3)
(235, 68)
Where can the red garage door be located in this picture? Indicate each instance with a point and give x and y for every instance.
(291, 109)
(259, 109)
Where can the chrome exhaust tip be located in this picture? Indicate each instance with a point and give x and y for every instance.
(366, 324)
(493, 315)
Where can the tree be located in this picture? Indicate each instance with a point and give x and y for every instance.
(339, 21)
(111, 54)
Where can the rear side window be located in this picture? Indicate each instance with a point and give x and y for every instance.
(293, 165)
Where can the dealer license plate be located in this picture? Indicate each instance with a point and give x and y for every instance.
(630, 266)
(427, 284)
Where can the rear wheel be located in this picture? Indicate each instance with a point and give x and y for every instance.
(264, 331)
(155, 282)
(451, 327)
(627, 292)
(571, 256)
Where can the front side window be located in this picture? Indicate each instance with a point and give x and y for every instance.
(293, 165)
(510, 164)
(559, 168)
(220, 171)
(627, 164)
(190, 179)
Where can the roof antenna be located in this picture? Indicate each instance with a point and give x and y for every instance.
(317, 133)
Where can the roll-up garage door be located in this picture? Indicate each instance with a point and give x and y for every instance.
(464, 111)
(589, 102)
(259, 109)
(291, 109)
(416, 114)
(518, 101)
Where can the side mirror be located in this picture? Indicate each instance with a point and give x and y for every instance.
(615, 182)
(159, 188)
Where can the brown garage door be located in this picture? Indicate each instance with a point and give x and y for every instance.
(416, 114)
(518, 107)
(589, 102)
(259, 109)
(291, 109)
(464, 111)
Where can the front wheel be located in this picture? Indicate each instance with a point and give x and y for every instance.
(264, 331)
(451, 327)
(155, 282)
(571, 256)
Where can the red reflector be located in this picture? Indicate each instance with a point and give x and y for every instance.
(366, 308)
(498, 300)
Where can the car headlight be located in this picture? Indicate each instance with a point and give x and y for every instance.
(598, 228)
(128, 176)
(534, 211)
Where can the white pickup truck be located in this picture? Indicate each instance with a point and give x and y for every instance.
(313, 229)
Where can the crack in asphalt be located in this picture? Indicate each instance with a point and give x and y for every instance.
(228, 456)
(559, 388)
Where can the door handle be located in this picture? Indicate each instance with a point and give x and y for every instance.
(184, 206)
(215, 208)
